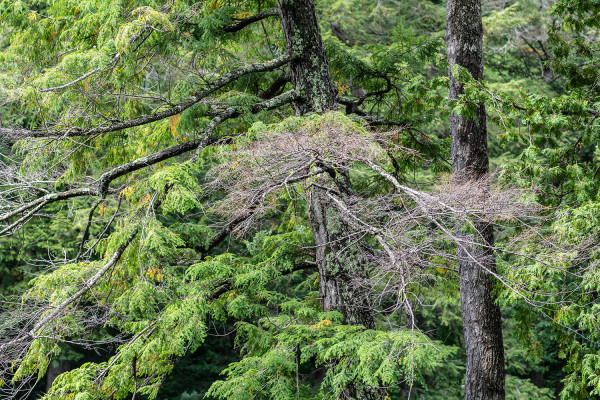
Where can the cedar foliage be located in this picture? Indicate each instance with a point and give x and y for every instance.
(202, 258)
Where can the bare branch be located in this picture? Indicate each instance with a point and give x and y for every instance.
(86, 286)
(66, 85)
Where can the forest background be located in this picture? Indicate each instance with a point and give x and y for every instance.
(216, 290)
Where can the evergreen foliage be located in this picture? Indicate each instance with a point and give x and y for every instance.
(155, 187)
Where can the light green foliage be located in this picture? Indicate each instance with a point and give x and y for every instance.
(352, 353)
(172, 289)
(147, 18)
(181, 187)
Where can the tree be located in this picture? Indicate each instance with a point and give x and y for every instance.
(336, 264)
(481, 314)
(134, 80)
(194, 175)
(310, 75)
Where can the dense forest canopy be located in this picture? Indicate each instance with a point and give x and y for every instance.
(297, 199)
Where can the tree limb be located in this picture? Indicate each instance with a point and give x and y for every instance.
(86, 286)
(242, 23)
(20, 133)
(101, 188)
(66, 85)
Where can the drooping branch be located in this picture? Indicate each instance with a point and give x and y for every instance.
(226, 286)
(86, 231)
(61, 308)
(86, 287)
(82, 77)
(20, 133)
(47, 199)
(352, 106)
(276, 86)
(66, 85)
(101, 187)
(179, 149)
(354, 221)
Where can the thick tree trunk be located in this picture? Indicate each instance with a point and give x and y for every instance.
(310, 71)
(339, 261)
(481, 316)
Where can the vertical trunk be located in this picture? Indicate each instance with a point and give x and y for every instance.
(56, 368)
(310, 71)
(339, 261)
(481, 316)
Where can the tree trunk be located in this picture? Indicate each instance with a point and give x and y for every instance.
(339, 261)
(55, 368)
(310, 71)
(481, 315)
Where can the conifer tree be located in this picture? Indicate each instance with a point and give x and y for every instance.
(481, 316)
(128, 73)
(269, 174)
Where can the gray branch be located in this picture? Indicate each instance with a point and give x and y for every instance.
(101, 188)
(86, 286)
(20, 133)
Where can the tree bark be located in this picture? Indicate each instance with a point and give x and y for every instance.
(310, 76)
(339, 261)
(310, 70)
(482, 325)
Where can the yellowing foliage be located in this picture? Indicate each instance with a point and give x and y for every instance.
(155, 273)
(321, 324)
(174, 122)
(127, 192)
(145, 199)
(103, 209)
(216, 4)
(343, 88)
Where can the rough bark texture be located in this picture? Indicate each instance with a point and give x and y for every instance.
(310, 74)
(481, 316)
(310, 71)
(339, 261)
